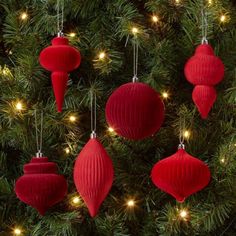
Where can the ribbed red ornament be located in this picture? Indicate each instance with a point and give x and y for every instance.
(204, 68)
(60, 58)
(93, 175)
(135, 111)
(40, 186)
(180, 175)
(204, 97)
(207, 70)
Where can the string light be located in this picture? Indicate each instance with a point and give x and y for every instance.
(165, 95)
(130, 203)
(67, 150)
(222, 160)
(72, 34)
(177, 1)
(222, 18)
(184, 214)
(155, 19)
(72, 118)
(17, 231)
(19, 106)
(134, 30)
(186, 134)
(24, 16)
(102, 55)
(75, 201)
(209, 2)
(110, 129)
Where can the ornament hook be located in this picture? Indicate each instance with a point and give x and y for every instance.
(39, 137)
(93, 114)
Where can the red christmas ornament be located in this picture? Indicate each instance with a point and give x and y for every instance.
(60, 58)
(180, 175)
(207, 70)
(135, 111)
(93, 175)
(40, 186)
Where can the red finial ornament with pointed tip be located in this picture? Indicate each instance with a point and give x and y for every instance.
(40, 186)
(60, 59)
(180, 175)
(206, 70)
(93, 175)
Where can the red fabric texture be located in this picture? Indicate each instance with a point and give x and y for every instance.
(60, 58)
(40, 186)
(93, 175)
(207, 70)
(204, 98)
(180, 175)
(135, 111)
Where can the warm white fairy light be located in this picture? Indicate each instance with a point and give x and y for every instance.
(110, 129)
(17, 231)
(155, 18)
(177, 1)
(134, 30)
(130, 203)
(24, 16)
(222, 160)
(72, 34)
(67, 150)
(222, 18)
(101, 55)
(19, 106)
(186, 133)
(210, 2)
(165, 95)
(184, 214)
(75, 201)
(72, 118)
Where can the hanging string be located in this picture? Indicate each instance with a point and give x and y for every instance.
(39, 134)
(204, 24)
(181, 135)
(135, 61)
(60, 17)
(93, 105)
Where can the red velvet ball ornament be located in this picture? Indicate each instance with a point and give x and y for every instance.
(180, 175)
(135, 111)
(204, 68)
(40, 186)
(93, 175)
(60, 58)
(204, 97)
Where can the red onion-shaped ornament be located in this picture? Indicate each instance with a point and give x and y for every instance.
(93, 175)
(207, 70)
(204, 97)
(135, 111)
(60, 59)
(180, 175)
(40, 186)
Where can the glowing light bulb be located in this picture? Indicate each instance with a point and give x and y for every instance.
(75, 201)
(110, 129)
(131, 203)
(165, 95)
(183, 214)
(72, 118)
(19, 106)
(102, 55)
(177, 1)
(209, 2)
(134, 30)
(72, 34)
(223, 18)
(67, 150)
(186, 134)
(17, 231)
(24, 16)
(155, 19)
(222, 160)
(4, 71)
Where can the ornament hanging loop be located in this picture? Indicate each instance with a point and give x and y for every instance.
(135, 61)
(39, 134)
(204, 25)
(60, 17)
(181, 136)
(93, 115)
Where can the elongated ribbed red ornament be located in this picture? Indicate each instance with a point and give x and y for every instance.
(40, 186)
(207, 70)
(135, 111)
(180, 175)
(60, 58)
(93, 175)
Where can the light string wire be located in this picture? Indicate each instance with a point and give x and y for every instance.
(39, 134)
(135, 60)
(204, 24)
(181, 135)
(93, 106)
(60, 17)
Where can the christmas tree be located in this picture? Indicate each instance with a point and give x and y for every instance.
(166, 33)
